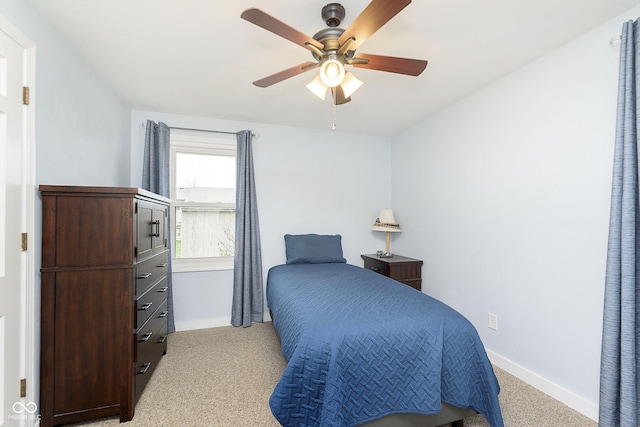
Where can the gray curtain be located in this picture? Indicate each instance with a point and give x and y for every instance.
(155, 178)
(620, 363)
(248, 305)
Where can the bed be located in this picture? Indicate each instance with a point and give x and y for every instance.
(363, 349)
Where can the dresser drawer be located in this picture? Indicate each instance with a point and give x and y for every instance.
(149, 272)
(148, 303)
(149, 356)
(150, 333)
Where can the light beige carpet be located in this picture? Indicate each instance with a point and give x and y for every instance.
(224, 377)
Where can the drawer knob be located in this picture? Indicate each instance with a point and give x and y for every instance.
(144, 276)
(147, 306)
(163, 265)
(163, 289)
(146, 337)
(163, 314)
(145, 368)
(162, 339)
(374, 268)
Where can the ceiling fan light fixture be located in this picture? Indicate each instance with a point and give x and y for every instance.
(332, 72)
(350, 84)
(333, 48)
(318, 88)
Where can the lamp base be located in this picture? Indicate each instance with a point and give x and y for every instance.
(387, 253)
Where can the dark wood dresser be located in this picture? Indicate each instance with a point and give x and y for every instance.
(103, 292)
(400, 268)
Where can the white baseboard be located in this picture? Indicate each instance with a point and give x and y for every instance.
(570, 399)
(214, 322)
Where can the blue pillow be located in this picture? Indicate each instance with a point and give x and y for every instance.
(313, 248)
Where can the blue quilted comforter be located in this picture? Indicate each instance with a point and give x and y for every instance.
(361, 346)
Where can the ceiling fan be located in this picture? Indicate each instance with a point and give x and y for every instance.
(333, 48)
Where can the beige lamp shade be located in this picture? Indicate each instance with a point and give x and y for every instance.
(386, 222)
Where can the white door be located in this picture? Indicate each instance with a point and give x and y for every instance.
(13, 410)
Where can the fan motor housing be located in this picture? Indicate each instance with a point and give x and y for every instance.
(329, 37)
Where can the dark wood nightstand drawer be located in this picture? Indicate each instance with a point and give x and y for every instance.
(414, 283)
(403, 269)
(406, 271)
(377, 266)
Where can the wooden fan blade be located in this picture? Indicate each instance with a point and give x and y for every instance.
(338, 96)
(285, 74)
(411, 67)
(374, 16)
(269, 23)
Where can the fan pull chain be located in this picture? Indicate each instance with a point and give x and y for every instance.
(333, 126)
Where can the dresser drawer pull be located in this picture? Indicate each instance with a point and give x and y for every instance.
(163, 314)
(374, 268)
(164, 289)
(162, 339)
(163, 265)
(144, 276)
(147, 306)
(145, 368)
(146, 337)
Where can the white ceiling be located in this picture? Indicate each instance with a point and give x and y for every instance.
(198, 57)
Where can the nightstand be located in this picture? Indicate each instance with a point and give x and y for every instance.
(400, 268)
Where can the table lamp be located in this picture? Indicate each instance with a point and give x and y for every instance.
(387, 223)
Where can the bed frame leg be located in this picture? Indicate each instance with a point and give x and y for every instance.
(459, 423)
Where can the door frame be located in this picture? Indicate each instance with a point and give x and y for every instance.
(30, 317)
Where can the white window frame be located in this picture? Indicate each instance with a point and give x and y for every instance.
(199, 143)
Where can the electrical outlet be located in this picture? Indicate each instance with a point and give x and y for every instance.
(493, 321)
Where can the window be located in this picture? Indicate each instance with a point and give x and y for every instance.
(203, 197)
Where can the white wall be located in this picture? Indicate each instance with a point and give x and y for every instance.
(505, 195)
(82, 127)
(307, 181)
(82, 133)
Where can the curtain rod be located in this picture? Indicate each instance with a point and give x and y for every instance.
(255, 135)
(204, 130)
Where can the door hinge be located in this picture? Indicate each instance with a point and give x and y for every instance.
(25, 95)
(24, 241)
(23, 387)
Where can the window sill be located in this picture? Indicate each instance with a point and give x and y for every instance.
(181, 265)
